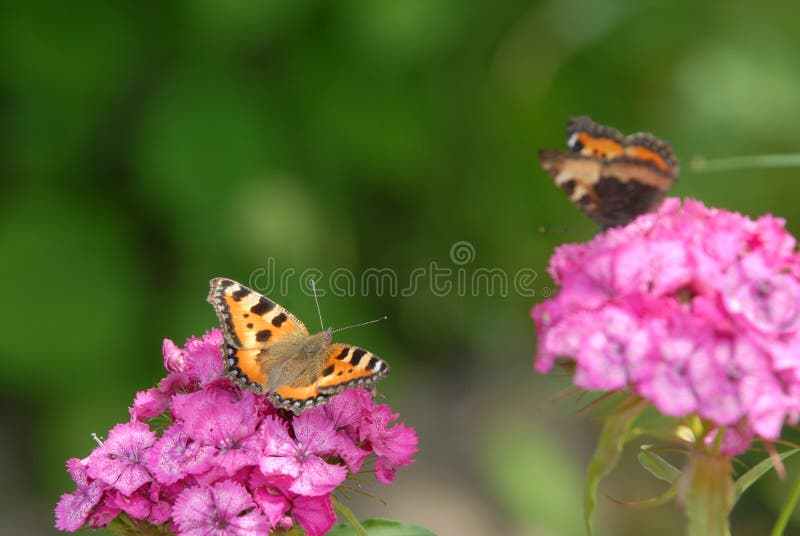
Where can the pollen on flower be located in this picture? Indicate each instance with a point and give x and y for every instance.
(227, 462)
(694, 308)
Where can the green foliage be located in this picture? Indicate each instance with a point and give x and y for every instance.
(613, 437)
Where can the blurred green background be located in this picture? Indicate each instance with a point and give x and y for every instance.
(146, 147)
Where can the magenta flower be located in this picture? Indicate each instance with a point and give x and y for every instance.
(205, 365)
(226, 461)
(345, 412)
(214, 417)
(74, 508)
(175, 456)
(393, 445)
(301, 458)
(314, 514)
(695, 309)
(224, 509)
(119, 462)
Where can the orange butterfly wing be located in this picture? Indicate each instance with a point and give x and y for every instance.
(345, 366)
(249, 322)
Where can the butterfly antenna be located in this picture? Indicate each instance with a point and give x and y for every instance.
(362, 324)
(319, 311)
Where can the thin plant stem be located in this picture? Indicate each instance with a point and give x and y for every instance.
(786, 511)
(350, 516)
(701, 165)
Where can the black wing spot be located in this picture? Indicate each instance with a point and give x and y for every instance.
(373, 362)
(262, 307)
(328, 370)
(358, 353)
(343, 353)
(238, 295)
(263, 335)
(278, 320)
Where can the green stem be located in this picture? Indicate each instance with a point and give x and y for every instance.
(350, 516)
(708, 494)
(786, 511)
(701, 165)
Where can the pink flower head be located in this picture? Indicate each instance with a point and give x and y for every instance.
(174, 357)
(314, 514)
(393, 445)
(175, 456)
(345, 411)
(203, 362)
(119, 462)
(74, 508)
(199, 362)
(301, 458)
(696, 309)
(226, 462)
(224, 509)
(224, 420)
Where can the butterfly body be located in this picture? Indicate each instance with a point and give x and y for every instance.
(612, 178)
(268, 350)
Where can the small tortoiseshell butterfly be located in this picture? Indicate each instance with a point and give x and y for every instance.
(268, 350)
(612, 178)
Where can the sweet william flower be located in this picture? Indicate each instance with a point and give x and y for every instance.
(696, 312)
(224, 509)
(74, 508)
(175, 456)
(301, 457)
(223, 419)
(201, 456)
(119, 461)
(314, 514)
(393, 445)
(693, 308)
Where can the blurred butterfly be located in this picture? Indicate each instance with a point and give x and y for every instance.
(612, 178)
(268, 350)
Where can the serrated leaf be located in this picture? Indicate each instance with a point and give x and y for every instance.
(613, 437)
(658, 466)
(757, 471)
(381, 527)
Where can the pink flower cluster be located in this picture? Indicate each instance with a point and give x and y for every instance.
(229, 463)
(693, 308)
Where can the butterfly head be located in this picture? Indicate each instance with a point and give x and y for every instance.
(315, 344)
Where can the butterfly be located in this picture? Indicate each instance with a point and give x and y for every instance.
(268, 350)
(612, 178)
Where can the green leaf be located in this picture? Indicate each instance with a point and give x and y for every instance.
(709, 494)
(613, 437)
(757, 471)
(664, 498)
(381, 527)
(658, 466)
